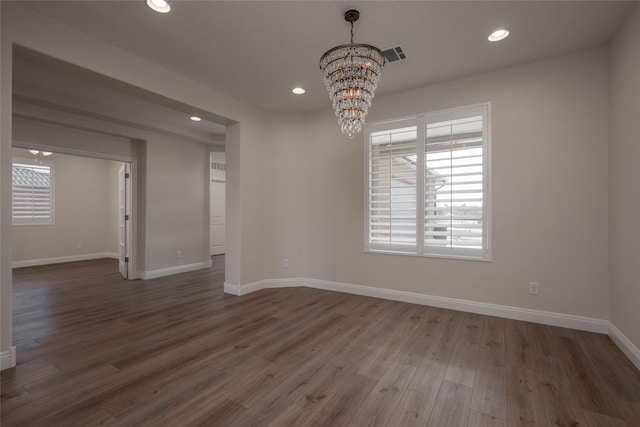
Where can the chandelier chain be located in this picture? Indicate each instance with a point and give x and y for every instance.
(351, 32)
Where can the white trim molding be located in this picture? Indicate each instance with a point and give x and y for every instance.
(154, 274)
(291, 282)
(231, 289)
(571, 321)
(628, 348)
(247, 288)
(8, 358)
(59, 260)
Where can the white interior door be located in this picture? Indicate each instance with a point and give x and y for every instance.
(217, 204)
(124, 218)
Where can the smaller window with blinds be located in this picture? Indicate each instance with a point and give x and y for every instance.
(428, 184)
(32, 192)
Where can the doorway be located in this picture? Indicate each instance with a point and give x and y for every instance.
(86, 198)
(217, 191)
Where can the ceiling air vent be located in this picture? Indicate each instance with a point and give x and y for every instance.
(394, 54)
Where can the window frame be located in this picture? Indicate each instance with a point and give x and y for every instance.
(420, 121)
(50, 220)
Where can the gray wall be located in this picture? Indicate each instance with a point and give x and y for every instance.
(624, 179)
(177, 203)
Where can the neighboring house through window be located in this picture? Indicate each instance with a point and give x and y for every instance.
(32, 192)
(428, 184)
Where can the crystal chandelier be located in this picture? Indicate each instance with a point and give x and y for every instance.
(351, 73)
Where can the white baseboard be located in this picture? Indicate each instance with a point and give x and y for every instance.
(247, 288)
(8, 358)
(154, 274)
(59, 260)
(230, 288)
(625, 344)
(582, 323)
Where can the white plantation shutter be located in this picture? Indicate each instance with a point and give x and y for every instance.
(430, 197)
(392, 194)
(32, 192)
(454, 185)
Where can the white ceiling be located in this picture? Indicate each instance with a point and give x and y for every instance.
(257, 51)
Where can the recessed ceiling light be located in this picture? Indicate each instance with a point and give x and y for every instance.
(195, 118)
(298, 90)
(159, 5)
(498, 35)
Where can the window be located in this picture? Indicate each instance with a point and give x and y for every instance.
(32, 198)
(428, 184)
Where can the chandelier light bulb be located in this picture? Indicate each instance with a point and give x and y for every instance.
(34, 152)
(47, 153)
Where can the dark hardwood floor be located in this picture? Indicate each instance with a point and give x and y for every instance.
(96, 350)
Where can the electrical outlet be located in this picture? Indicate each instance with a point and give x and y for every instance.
(178, 254)
(534, 288)
(285, 263)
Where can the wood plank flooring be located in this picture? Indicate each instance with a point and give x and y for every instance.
(96, 350)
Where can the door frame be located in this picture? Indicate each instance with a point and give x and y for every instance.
(133, 271)
(124, 219)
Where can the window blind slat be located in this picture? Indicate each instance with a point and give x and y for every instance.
(392, 197)
(32, 193)
(452, 155)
